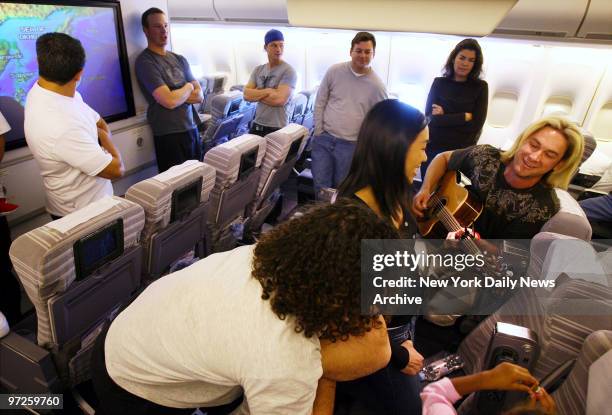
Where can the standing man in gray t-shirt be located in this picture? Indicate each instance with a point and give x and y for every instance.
(271, 86)
(347, 92)
(170, 89)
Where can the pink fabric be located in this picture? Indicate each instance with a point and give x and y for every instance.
(438, 398)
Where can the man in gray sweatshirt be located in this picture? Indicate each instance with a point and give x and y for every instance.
(347, 92)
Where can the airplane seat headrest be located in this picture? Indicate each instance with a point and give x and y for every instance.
(155, 194)
(226, 157)
(570, 219)
(299, 104)
(220, 104)
(278, 144)
(599, 367)
(44, 258)
(310, 95)
(590, 144)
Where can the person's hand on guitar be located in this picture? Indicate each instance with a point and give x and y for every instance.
(419, 203)
(463, 234)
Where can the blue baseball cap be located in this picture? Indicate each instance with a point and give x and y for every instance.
(272, 36)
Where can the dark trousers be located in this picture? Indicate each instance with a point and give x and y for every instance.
(116, 400)
(388, 391)
(10, 291)
(261, 130)
(173, 149)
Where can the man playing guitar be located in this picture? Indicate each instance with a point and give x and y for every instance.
(515, 189)
(515, 186)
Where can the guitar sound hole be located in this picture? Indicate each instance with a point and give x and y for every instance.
(440, 203)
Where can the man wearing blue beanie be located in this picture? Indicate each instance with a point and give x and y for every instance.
(271, 86)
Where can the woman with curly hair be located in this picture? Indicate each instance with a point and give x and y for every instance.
(265, 322)
(390, 149)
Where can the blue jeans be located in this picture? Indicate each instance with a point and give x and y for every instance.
(596, 208)
(388, 391)
(331, 160)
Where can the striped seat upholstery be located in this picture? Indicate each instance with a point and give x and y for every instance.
(571, 397)
(278, 144)
(44, 258)
(225, 158)
(155, 194)
(275, 169)
(560, 335)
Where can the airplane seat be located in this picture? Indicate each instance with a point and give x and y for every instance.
(570, 219)
(176, 204)
(225, 119)
(247, 109)
(552, 254)
(303, 164)
(562, 320)
(215, 86)
(299, 106)
(238, 163)
(586, 389)
(308, 119)
(78, 272)
(283, 148)
(237, 88)
(581, 180)
(206, 90)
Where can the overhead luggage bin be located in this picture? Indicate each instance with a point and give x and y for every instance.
(550, 18)
(269, 11)
(598, 21)
(458, 17)
(273, 11)
(192, 10)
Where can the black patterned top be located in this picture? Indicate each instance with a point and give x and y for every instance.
(508, 213)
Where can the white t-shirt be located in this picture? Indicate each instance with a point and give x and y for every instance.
(63, 137)
(200, 336)
(4, 125)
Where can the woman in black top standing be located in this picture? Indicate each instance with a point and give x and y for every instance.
(457, 101)
(390, 148)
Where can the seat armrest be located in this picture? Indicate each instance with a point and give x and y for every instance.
(26, 367)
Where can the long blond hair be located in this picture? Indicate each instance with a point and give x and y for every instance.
(572, 157)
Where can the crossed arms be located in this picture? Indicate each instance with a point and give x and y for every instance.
(114, 169)
(190, 93)
(274, 97)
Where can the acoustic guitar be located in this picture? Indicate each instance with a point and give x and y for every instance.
(450, 208)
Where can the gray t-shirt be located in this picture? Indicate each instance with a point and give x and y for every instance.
(153, 71)
(264, 77)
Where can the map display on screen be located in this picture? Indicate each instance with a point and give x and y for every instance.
(102, 84)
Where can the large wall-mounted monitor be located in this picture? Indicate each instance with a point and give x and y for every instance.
(105, 85)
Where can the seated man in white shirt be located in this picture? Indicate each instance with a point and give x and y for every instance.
(276, 322)
(69, 140)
